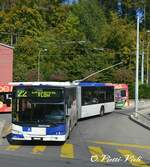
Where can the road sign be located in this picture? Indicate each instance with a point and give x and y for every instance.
(140, 14)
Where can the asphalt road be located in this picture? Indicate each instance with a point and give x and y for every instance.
(112, 140)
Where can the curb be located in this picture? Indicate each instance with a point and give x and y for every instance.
(2, 125)
(133, 118)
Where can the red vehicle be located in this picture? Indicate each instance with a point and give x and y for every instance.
(121, 94)
(5, 97)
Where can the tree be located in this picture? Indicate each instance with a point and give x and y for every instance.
(22, 21)
(25, 58)
(123, 75)
(121, 40)
(92, 21)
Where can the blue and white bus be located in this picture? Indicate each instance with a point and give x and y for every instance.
(48, 111)
(95, 99)
(43, 111)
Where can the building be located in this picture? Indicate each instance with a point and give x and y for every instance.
(6, 64)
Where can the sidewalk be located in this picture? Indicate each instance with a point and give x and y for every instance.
(143, 103)
(142, 117)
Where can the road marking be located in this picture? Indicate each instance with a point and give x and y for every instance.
(67, 151)
(133, 159)
(97, 154)
(122, 144)
(38, 149)
(12, 147)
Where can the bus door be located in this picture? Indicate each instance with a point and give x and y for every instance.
(71, 106)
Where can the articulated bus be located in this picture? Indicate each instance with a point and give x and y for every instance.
(48, 111)
(5, 96)
(43, 111)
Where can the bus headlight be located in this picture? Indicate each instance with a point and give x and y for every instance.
(16, 132)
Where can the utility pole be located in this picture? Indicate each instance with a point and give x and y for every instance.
(139, 15)
(142, 65)
(38, 63)
(147, 75)
(147, 60)
(137, 67)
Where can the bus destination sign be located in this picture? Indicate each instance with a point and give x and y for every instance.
(39, 93)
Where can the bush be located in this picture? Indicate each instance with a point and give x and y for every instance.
(144, 91)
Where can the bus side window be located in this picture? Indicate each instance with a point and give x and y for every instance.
(101, 98)
(86, 100)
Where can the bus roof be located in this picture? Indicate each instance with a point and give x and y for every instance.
(93, 84)
(57, 84)
(119, 86)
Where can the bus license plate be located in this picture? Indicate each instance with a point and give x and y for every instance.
(36, 138)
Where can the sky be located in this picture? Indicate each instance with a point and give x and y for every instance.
(70, 1)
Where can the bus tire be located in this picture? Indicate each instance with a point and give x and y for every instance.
(102, 111)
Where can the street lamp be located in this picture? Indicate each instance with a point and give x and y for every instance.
(39, 56)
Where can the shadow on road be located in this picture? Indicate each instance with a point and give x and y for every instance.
(123, 112)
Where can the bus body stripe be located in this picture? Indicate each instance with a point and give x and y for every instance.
(59, 129)
(94, 84)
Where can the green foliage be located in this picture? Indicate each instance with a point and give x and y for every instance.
(22, 21)
(80, 39)
(121, 40)
(123, 75)
(26, 58)
(92, 21)
(144, 92)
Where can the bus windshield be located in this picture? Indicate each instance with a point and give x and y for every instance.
(35, 112)
(38, 105)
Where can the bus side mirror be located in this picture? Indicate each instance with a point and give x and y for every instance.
(8, 102)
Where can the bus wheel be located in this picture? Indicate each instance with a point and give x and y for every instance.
(102, 111)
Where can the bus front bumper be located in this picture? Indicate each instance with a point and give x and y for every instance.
(22, 137)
